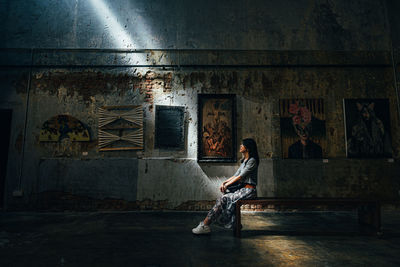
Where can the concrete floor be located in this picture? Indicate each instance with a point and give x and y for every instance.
(165, 239)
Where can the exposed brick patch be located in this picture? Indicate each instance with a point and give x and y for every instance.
(88, 83)
(269, 207)
(167, 82)
(196, 205)
(60, 201)
(154, 81)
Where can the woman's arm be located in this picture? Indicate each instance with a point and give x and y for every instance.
(249, 167)
(229, 179)
(228, 182)
(233, 180)
(222, 188)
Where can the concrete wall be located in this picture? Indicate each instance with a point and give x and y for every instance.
(180, 24)
(309, 49)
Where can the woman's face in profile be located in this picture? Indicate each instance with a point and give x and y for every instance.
(242, 148)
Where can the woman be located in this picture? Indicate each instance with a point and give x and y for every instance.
(242, 185)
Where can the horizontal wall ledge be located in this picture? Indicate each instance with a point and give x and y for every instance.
(190, 58)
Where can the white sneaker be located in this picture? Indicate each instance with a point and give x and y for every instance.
(201, 229)
(228, 226)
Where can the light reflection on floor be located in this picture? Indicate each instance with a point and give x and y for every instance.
(165, 239)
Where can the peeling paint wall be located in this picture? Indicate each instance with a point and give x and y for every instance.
(311, 49)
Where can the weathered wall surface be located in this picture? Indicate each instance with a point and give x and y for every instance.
(300, 58)
(180, 24)
(174, 177)
(96, 178)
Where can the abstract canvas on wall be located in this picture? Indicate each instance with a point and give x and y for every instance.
(216, 128)
(303, 128)
(367, 123)
(120, 128)
(64, 126)
(170, 132)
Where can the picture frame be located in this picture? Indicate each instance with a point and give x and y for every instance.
(216, 136)
(303, 128)
(170, 128)
(367, 128)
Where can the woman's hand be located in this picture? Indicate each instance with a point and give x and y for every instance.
(222, 188)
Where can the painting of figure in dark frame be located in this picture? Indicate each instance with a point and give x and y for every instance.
(367, 123)
(303, 132)
(216, 128)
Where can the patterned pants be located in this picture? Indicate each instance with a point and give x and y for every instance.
(224, 209)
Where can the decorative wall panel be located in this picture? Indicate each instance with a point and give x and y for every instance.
(120, 128)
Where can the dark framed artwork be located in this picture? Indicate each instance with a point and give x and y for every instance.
(367, 123)
(170, 128)
(216, 128)
(303, 130)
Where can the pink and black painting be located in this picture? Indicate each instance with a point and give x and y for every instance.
(303, 131)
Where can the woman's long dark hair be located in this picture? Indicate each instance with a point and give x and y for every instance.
(251, 146)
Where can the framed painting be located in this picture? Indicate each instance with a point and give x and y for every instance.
(367, 124)
(216, 128)
(303, 129)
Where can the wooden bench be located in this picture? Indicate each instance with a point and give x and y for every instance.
(369, 211)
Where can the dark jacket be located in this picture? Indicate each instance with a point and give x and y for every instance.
(309, 151)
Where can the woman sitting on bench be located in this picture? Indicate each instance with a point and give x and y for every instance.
(242, 185)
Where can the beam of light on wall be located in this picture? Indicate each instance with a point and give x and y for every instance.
(195, 184)
(119, 35)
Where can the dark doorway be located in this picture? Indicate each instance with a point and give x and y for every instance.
(5, 120)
